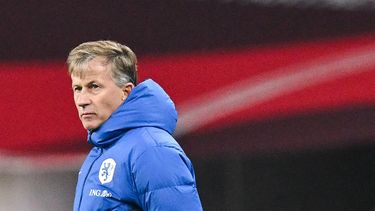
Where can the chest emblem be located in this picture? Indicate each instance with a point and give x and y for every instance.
(107, 169)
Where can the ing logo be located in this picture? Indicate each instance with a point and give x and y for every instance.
(107, 169)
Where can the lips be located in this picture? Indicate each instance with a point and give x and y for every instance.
(87, 114)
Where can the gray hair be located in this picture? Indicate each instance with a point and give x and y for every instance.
(122, 58)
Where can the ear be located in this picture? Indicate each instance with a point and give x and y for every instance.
(126, 89)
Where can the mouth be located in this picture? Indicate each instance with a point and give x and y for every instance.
(87, 115)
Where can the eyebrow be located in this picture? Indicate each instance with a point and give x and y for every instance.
(89, 83)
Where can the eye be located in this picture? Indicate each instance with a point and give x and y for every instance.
(77, 88)
(93, 86)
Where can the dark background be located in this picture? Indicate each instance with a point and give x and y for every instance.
(48, 30)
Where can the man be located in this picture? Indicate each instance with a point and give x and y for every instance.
(135, 164)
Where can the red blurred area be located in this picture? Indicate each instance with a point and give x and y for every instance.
(38, 113)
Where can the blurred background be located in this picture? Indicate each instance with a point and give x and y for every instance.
(276, 98)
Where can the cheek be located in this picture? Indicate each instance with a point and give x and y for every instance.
(110, 105)
(115, 104)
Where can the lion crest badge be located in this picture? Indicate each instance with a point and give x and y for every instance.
(107, 169)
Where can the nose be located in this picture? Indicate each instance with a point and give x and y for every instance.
(82, 100)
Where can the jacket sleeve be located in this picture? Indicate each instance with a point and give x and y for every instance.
(164, 178)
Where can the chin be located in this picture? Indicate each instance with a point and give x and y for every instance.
(90, 126)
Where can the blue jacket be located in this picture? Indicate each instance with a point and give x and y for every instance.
(135, 163)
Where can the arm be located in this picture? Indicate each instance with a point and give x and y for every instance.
(165, 180)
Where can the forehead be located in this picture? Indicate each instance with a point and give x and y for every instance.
(97, 69)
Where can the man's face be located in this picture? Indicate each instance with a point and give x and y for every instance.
(96, 95)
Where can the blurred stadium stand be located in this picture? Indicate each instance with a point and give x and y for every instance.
(276, 98)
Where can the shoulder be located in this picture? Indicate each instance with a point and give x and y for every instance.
(140, 140)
